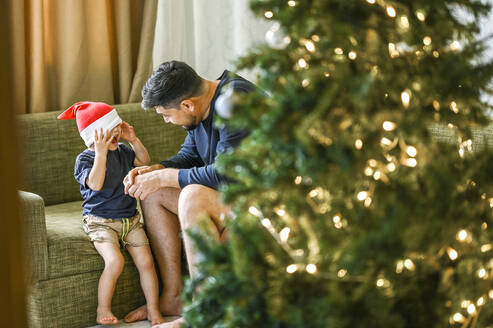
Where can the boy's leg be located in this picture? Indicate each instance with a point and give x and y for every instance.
(113, 265)
(148, 280)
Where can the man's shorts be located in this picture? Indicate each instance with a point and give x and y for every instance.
(112, 230)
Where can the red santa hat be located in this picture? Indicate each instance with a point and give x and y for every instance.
(90, 117)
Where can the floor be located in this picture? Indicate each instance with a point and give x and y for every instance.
(138, 324)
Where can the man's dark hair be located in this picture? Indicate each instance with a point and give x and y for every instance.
(170, 84)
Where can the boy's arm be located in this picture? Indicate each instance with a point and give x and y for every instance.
(95, 179)
(141, 155)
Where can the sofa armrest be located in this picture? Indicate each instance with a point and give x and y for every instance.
(33, 213)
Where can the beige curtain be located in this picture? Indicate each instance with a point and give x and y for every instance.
(72, 50)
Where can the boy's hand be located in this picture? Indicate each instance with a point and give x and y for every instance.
(102, 142)
(128, 132)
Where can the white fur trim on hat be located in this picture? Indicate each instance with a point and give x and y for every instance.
(106, 122)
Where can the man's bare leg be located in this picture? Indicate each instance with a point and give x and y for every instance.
(196, 201)
(162, 226)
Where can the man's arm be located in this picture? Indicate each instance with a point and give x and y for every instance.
(187, 157)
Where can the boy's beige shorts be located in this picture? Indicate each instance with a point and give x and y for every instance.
(111, 230)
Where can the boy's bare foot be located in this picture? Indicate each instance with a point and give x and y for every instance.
(155, 317)
(105, 317)
(169, 305)
(178, 323)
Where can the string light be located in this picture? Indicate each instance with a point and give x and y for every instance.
(341, 273)
(490, 294)
(393, 52)
(455, 46)
(291, 268)
(352, 55)
(427, 40)
(284, 234)
(471, 308)
(391, 167)
(291, 3)
(436, 54)
(380, 282)
(486, 247)
(458, 317)
(310, 46)
(391, 11)
(420, 15)
(305, 83)
(302, 63)
(452, 253)
(399, 267)
(389, 126)
(371, 2)
(254, 211)
(338, 51)
(404, 22)
(269, 14)
(368, 171)
(411, 151)
(315, 38)
(482, 273)
(362, 195)
(280, 212)
(454, 108)
(266, 223)
(297, 180)
(311, 268)
(461, 235)
(358, 144)
(406, 98)
(480, 301)
(410, 162)
(436, 105)
(409, 264)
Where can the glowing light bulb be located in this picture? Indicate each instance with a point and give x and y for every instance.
(315, 38)
(452, 253)
(420, 15)
(391, 11)
(280, 212)
(254, 211)
(371, 2)
(462, 235)
(302, 63)
(352, 55)
(368, 171)
(269, 14)
(336, 219)
(399, 267)
(410, 162)
(458, 317)
(284, 234)
(454, 108)
(389, 126)
(297, 180)
(380, 282)
(480, 301)
(404, 22)
(471, 309)
(436, 105)
(291, 268)
(266, 223)
(411, 151)
(311, 268)
(490, 294)
(305, 83)
(409, 264)
(310, 46)
(338, 51)
(362, 195)
(406, 98)
(427, 40)
(385, 141)
(486, 247)
(291, 3)
(393, 52)
(391, 167)
(341, 273)
(455, 46)
(358, 144)
(482, 273)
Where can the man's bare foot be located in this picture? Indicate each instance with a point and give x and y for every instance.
(178, 323)
(105, 317)
(155, 317)
(138, 314)
(168, 305)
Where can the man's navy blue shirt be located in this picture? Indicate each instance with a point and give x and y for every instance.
(111, 201)
(204, 143)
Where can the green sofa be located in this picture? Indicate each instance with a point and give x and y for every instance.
(64, 267)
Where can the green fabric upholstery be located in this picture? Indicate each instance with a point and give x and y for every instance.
(51, 146)
(64, 267)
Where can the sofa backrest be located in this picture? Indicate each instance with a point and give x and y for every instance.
(50, 146)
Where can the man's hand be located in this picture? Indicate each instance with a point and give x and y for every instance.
(128, 132)
(102, 142)
(144, 184)
(130, 178)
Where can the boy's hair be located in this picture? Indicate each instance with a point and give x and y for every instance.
(170, 84)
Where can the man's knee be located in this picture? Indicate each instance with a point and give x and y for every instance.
(193, 202)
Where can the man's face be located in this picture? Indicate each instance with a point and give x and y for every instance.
(179, 116)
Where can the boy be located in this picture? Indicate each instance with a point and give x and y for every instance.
(109, 215)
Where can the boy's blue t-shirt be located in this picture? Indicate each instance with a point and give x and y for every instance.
(111, 201)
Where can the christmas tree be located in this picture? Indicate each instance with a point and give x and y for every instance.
(364, 192)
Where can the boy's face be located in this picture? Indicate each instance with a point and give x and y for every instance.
(116, 133)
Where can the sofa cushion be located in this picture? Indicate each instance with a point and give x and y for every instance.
(70, 251)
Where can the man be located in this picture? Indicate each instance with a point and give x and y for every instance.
(181, 191)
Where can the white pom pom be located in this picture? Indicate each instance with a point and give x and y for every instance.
(224, 104)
